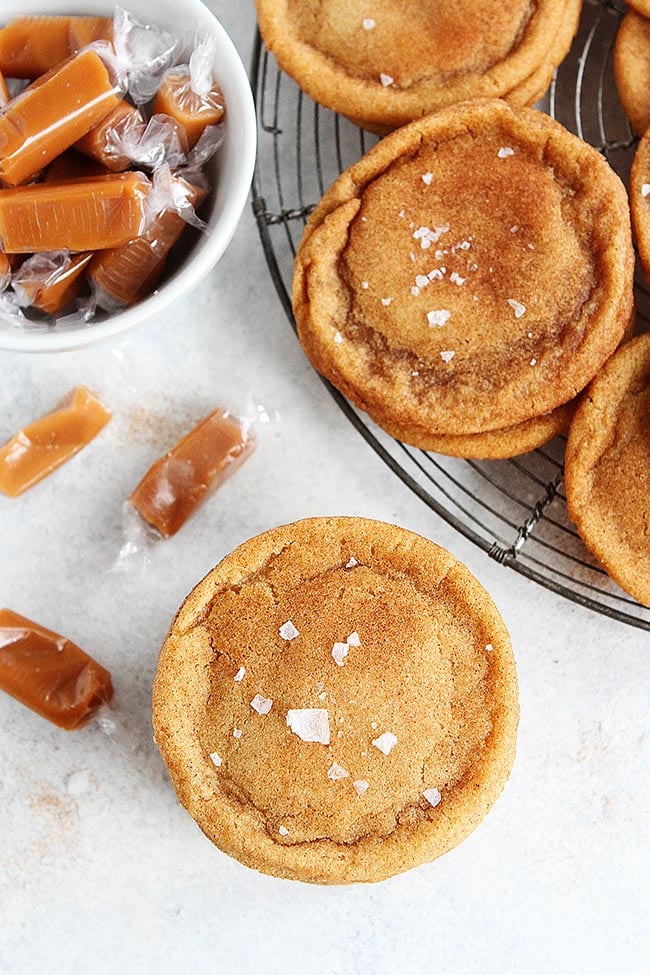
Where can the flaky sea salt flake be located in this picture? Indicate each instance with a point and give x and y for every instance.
(215, 759)
(340, 652)
(432, 796)
(447, 356)
(283, 831)
(455, 278)
(533, 362)
(415, 291)
(338, 338)
(645, 190)
(354, 640)
(336, 772)
(438, 318)
(364, 285)
(310, 724)
(261, 704)
(517, 307)
(386, 302)
(421, 280)
(237, 732)
(369, 23)
(505, 151)
(239, 676)
(288, 631)
(350, 564)
(489, 648)
(426, 179)
(361, 786)
(386, 79)
(386, 742)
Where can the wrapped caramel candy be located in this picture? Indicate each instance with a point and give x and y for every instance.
(174, 487)
(109, 141)
(50, 281)
(84, 215)
(71, 165)
(49, 674)
(42, 446)
(189, 94)
(30, 46)
(124, 275)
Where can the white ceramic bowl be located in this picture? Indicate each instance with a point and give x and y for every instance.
(230, 171)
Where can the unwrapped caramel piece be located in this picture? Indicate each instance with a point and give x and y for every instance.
(4, 91)
(84, 215)
(71, 165)
(105, 141)
(180, 481)
(50, 115)
(38, 449)
(193, 112)
(126, 274)
(49, 674)
(50, 281)
(30, 46)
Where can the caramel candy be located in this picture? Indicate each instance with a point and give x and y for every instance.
(84, 215)
(50, 115)
(30, 46)
(50, 441)
(191, 111)
(5, 271)
(49, 282)
(49, 674)
(4, 91)
(71, 165)
(126, 274)
(105, 141)
(180, 481)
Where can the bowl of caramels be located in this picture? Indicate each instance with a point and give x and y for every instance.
(127, 146)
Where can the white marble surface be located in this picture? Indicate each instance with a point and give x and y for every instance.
(100, 868)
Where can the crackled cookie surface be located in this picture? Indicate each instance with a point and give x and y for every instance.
(337, 701)
(471, 272)
(607, 468)
(632, 68)
(385, 63)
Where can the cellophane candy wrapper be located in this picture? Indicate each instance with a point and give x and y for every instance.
(49, 281)
(143, 52)
(161, 143)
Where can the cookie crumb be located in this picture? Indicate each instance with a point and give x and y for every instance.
(386, 742)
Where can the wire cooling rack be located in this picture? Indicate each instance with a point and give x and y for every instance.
(514, 510)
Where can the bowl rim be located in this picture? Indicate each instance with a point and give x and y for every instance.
(23, 340)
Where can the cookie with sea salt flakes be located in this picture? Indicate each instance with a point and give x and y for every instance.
(632, 68)
(640, 201)
(337, 701)
(471, 272)
(383, 64)
(607, 468)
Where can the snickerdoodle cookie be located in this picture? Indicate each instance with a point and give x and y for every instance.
(607, 467)
(384, 63)
(632, 68)
(471, 272)
(337, 701)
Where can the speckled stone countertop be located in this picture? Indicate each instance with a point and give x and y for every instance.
(99, 864)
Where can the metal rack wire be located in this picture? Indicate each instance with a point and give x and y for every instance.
(514, 510)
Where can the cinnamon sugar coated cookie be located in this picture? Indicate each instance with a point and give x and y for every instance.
(641, 6)
(337, 702)
(383, 63)
(607, 468)
(640, 201)
(470, 273)
(632, 68)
